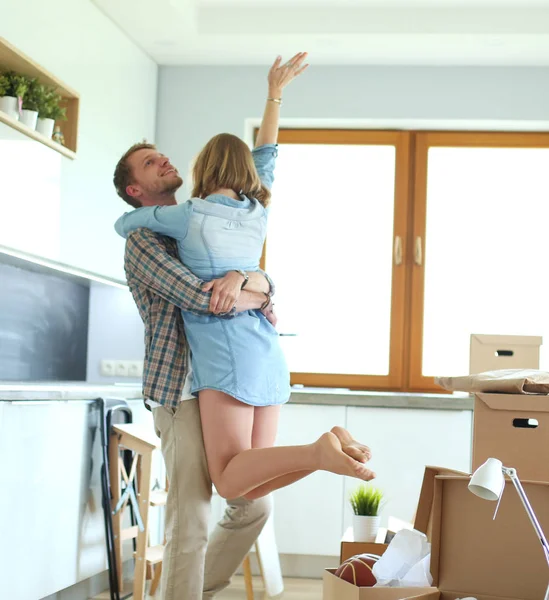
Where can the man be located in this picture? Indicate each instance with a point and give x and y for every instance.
(161, 285)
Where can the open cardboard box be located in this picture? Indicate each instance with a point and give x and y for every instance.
(501, 430)
(472, 555)
(351, 548)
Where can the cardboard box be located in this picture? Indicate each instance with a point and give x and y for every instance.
(334, 588)
(349, 547)
(472, 555)
(424, 512)
(493, 352)
(504, 427)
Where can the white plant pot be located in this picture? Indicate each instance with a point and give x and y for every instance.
(45, 127)
(29, 118)
(10, 105)
(365, 528)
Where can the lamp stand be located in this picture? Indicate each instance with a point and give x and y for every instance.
(512, 474)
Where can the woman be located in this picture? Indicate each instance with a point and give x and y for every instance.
(239, 370)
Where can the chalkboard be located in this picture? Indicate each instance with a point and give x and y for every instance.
(43, 326)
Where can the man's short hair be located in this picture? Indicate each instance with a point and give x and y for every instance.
(123, 176)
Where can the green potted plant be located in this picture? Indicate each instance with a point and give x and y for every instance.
(31, 103)
(12, 89)
(366, 501)
(49, 111)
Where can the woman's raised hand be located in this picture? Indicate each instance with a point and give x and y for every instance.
(281, 75)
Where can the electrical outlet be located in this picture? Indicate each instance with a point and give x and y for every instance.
(107, 368)
(135, 368)
(121, 368)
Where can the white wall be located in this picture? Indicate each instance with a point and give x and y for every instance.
(196, 103)
(117, 83)
(115, 331)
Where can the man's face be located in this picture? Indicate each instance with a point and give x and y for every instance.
(153, 177)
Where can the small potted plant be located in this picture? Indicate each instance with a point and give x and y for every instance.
(50, 111)
(32, 102)
(366, 501)
(12, 89)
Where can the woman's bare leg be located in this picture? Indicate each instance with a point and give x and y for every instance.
(236, 468)
(264, 436)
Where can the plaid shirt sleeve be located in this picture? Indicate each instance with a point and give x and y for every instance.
(151, 262)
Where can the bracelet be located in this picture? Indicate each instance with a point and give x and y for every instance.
(266, 303)
(245, 275)
(277, 100)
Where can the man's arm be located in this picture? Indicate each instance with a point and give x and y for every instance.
(259, 281)
(226, 291)
(251, 301)
(148, 263)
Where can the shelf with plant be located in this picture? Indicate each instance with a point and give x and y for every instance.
(34, 101)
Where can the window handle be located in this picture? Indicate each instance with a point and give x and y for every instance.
(418, 252)
(398, 250)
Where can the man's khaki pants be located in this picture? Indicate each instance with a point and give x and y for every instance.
(189, 572)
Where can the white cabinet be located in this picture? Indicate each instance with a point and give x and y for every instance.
(403, 442)
(30, 195)
(309, 513)
(51, 520)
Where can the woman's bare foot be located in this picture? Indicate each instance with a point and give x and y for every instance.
(331, 457)
(351, 447)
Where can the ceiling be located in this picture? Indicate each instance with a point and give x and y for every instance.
(420, 32)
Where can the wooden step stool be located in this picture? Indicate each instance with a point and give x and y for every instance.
(137, 491)
(142, 443)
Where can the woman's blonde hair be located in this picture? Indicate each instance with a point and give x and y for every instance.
(226, 162)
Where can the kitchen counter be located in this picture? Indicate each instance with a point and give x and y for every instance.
(315, 396)
(77, 390)
(343, 397)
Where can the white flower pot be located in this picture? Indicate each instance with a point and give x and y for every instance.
(29, 118)
(45, 127)
(365, 528)
(10, 105)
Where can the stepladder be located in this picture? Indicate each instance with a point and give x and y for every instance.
(131, 450)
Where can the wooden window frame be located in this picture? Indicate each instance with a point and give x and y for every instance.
(417, 382)
(410, 213)
(401, 141)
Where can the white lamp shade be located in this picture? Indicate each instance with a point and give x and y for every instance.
(488, 480)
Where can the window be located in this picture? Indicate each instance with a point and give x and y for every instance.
(481, 206)
(390, 248)
(330, 250)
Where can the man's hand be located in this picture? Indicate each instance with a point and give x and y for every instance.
(225, 292)
(270, 314)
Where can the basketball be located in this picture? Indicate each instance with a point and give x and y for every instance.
(358, 570)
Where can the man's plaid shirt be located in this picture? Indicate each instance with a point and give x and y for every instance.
(161, 285)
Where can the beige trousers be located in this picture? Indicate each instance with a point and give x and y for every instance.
(194, 568)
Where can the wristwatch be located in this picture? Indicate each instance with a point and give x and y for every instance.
(245, 275)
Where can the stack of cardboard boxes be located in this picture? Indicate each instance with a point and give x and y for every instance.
(473, 555)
